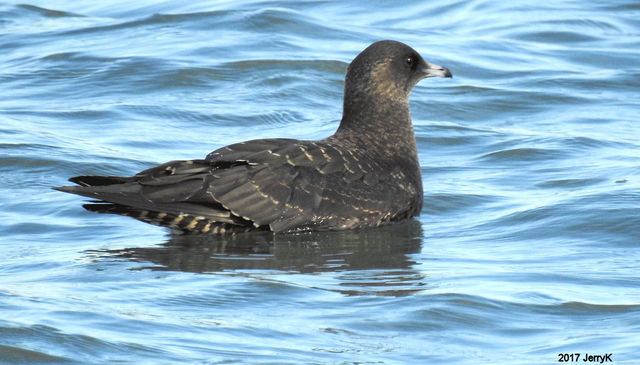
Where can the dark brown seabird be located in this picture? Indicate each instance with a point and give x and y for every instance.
(365, 175)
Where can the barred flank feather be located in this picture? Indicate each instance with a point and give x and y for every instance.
(185, 223)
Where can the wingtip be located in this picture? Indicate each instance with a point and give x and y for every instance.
(65, 189)
(79, 190)
(71, 189)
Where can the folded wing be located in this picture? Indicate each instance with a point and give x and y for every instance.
(274, 184)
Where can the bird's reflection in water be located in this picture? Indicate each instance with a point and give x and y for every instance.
(368, 261)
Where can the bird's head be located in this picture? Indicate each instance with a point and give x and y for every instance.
(388, 70)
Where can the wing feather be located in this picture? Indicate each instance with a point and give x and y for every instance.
(281, 184)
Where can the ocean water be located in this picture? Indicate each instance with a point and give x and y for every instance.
(527, 248)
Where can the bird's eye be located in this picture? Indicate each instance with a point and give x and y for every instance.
(411, 61)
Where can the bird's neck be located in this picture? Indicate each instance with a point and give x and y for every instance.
(378, 126)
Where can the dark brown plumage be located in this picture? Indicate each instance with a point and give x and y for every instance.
(364, 175)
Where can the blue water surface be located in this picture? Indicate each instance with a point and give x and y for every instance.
(527, 246)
